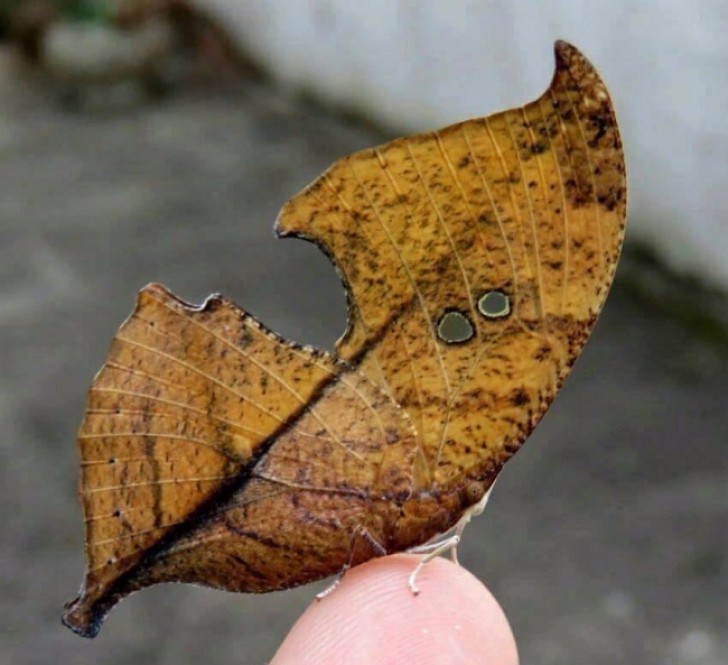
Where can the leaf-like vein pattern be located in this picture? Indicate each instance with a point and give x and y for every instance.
(213, 451)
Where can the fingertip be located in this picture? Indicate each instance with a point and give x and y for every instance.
(373, 617)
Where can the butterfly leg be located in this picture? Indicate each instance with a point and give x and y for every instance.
(471, 512)
(448, 541)
(438, 547)
(360, 534)
(337, 580)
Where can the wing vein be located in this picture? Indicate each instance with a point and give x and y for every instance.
(564, 210)
(311, 409)
(180, 405)
(445, 228)
(532, 217)
(202, 373)
(466, 200)
(514, 206)
(116, 435)
(375, 353)
(587, 153)
(420, 298)
(506, 242)
(149, 483)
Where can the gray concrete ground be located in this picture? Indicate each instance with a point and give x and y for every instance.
(607, 537)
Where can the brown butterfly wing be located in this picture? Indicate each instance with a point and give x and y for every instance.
(215, 452)
(529, 203)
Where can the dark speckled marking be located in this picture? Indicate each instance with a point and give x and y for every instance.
(519, 397)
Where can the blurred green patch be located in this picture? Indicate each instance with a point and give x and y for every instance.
(91, 11)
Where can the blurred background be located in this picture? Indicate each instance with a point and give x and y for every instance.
(155, 140)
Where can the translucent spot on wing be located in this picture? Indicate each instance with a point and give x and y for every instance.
(494, 305)
(454, 327)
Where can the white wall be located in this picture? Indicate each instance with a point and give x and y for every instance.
(422, 64)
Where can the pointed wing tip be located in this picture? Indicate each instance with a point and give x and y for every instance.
(81, 619)
(564, 49)
(572, 64)
(567, 55)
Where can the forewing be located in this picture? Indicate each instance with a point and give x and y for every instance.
(528, 203)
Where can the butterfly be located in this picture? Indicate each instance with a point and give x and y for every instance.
(475, 259)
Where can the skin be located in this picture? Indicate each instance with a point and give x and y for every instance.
(372, 617)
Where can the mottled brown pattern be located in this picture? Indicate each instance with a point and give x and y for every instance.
(215, 452)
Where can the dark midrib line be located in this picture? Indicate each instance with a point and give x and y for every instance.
(208, 507)
(215, 503)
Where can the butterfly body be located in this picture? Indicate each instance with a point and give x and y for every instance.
(476, 260)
